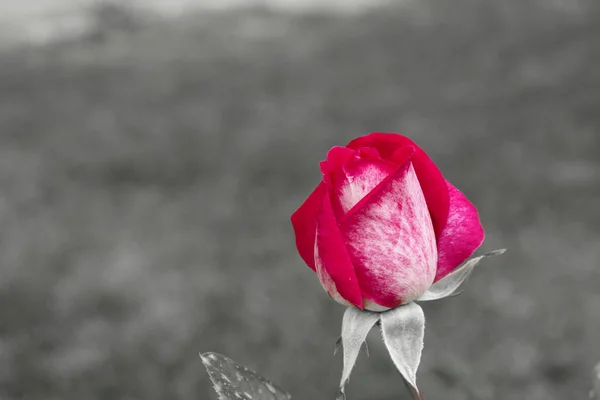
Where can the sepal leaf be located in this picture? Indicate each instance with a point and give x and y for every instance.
(450, 284)
(403, 329)
(356, 325)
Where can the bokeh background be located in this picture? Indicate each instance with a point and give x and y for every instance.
(149, 164)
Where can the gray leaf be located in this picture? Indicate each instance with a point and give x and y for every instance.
(235, 382)
(403, 329)
(356, 325)
(450, 284)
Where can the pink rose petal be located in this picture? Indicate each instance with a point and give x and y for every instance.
(391, 241)
(462, 235)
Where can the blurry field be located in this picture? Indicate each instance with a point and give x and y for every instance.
(147, 176)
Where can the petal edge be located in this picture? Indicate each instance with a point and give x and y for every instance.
(304, 222)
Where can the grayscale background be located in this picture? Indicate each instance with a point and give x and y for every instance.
(150, 158)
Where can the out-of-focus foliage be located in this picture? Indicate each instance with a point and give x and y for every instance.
(147, 180)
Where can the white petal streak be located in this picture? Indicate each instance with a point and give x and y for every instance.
(358, 186)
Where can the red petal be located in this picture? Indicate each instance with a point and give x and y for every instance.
(304, 221)
(391, 241)
(333, 263)
(431, 179)
(337, 157)
(462, 235)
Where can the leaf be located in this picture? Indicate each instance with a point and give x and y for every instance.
(232, 381)
(450, 284)
(403, 329)
(356, 325)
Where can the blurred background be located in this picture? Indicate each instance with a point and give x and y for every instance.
(150, 158)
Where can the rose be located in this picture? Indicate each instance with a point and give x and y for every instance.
(384, 224)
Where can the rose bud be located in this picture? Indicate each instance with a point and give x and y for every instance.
(384, 225)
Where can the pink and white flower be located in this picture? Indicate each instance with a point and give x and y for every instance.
(384, 224)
